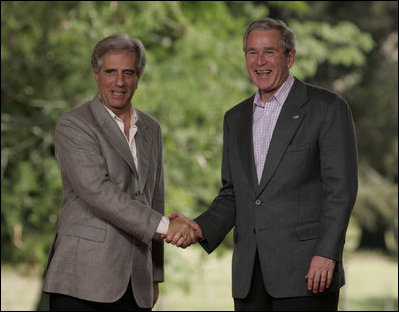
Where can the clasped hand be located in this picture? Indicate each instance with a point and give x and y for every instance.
(182, 231)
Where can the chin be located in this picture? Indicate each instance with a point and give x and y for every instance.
(264, 88)
(118, 103)
(263, 84)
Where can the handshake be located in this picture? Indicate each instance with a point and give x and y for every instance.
(182, 231)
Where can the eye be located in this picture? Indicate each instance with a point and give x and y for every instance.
(129, 73)
(109, 71)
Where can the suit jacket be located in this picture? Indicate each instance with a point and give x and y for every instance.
(303, 203)
(110, 210)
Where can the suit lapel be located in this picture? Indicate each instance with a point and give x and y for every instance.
(290, 118)
(244, 140)
(143, 146)
(112, 132)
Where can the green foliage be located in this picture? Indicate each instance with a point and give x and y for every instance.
(377, 201)
(30, 210)
(195, 72)
(343, 44)
(376, 113)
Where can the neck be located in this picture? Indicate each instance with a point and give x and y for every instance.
(125, 115)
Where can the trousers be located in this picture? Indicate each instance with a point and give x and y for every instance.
(258, 299)
(60, 302)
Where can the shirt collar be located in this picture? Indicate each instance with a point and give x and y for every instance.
(280, 96)
(133, 115)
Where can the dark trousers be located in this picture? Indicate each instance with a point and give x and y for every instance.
(259, 300)
(59, 302)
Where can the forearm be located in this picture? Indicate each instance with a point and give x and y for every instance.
(219, 219)
(217, 222)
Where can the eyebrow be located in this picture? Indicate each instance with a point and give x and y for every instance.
(133, 70)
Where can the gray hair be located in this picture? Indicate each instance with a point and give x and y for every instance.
(287, 35)
(118, 42)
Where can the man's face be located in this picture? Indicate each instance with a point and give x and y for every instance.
(117, 79)
(268, 66)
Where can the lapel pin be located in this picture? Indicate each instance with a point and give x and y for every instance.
(295, 116)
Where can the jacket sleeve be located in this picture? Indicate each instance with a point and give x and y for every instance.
(219, 219)
(338, 167)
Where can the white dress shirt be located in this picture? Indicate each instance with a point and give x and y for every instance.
(164, 224)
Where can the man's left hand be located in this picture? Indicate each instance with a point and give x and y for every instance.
(320, 274)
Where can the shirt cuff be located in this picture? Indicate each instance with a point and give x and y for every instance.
(163, 226)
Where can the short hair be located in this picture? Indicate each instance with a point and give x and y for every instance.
(118, 42)
(287, 35)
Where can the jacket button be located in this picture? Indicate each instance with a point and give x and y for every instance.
(258, 202)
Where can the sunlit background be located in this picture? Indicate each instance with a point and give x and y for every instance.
(195, 72)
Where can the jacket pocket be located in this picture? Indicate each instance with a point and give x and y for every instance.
(87, 232)
(308, 230)
(297, 147)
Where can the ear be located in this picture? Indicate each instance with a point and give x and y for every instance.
(138, 80)
(291, 58)
(96, 75)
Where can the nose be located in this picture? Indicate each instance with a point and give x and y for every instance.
(261, 59)
(119, 80)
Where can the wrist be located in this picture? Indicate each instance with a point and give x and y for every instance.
(163, 226)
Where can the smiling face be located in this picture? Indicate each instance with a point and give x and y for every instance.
(117, 80)
(268, 66)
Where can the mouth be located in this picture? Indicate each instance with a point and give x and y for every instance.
(118, 93)
(263, 72)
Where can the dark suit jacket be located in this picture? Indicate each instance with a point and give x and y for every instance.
(110, 210)
(303, 203)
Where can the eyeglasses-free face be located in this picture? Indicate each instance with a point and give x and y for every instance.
(268, 66)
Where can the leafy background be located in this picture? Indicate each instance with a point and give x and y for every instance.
(195, 72)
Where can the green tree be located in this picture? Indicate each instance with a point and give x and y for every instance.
(196, 71)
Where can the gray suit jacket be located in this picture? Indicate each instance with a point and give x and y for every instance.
(110, 211)
(303, 203)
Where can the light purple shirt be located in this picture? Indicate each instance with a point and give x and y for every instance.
(265, 116)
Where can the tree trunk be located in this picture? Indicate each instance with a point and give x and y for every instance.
(373, 240)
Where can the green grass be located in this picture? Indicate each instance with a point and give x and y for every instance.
(371, 283)
(200, 282)
(196, 281)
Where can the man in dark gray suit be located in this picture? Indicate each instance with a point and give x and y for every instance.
(107, 254)
(289, 174)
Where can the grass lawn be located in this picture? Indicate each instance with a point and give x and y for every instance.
(20, 288)
(371, 283)
(200, 282)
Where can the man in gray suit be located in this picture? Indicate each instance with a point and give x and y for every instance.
(289, 174)
(107, 253)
